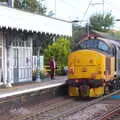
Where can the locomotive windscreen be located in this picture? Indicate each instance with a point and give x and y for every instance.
(93, 44)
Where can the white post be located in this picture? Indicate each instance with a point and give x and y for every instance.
(11, 3)
(5, 67)
(4, 61)
(38, 79)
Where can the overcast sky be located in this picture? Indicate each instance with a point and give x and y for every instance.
(77, 9)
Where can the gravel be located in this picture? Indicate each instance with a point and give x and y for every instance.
(91, 112)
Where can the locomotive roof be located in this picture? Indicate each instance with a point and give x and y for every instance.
(108, 38)
(109, 41)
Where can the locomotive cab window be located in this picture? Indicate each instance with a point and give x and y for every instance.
(93, 44)
(103, 46)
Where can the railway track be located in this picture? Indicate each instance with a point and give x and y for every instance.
(59, 109)
(75, 109)
(31, 110)
(52, 111)
(110, 110)
(113, 114)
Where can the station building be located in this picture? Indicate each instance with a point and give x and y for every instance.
(18, 31)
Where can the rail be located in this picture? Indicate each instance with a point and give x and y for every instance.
(61, 115)
(109, 114)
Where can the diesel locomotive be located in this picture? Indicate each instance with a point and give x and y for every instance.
(94, 67)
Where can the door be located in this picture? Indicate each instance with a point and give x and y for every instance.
(22, 62)
(25, 64)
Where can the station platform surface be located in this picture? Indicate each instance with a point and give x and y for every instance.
(32, 86)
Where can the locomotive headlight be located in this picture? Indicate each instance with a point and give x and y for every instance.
(93, 75)
(70, 64)
(84, 69)
(71, 70)
(91, 61)
(99, 72)
(76, 81)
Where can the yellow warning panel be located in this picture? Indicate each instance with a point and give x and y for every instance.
(73, 91)
(96, 92)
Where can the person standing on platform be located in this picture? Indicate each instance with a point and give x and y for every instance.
(52, 65)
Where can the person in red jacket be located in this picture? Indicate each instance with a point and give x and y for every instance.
(52, 65)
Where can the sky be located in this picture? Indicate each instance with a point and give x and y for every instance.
(82, 9)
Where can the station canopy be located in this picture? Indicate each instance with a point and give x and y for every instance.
(20, 20)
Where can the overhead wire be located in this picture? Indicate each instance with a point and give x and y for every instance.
(73, 7)
(76, 8)
(86, 10)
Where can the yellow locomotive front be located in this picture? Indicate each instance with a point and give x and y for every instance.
(89, 69)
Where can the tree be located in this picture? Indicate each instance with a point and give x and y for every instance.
(60, 50)
(18, 4)
(3, 0)
(101, 22)
(78, 32)
(30, 5)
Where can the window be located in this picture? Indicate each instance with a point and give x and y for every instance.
(93, 44)
(103, 46)
(88, 44)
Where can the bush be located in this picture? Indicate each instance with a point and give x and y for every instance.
(43, 74)
(60, 50)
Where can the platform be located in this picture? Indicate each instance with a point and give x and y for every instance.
(31, 93)
(33, 86)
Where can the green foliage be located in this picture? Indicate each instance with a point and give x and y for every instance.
(18, 4)
(114, 35)
(30, 5)
(101, 22)
(78, 33)
(60, 50)
(43, 74)
(111, 34)
(3, 0)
